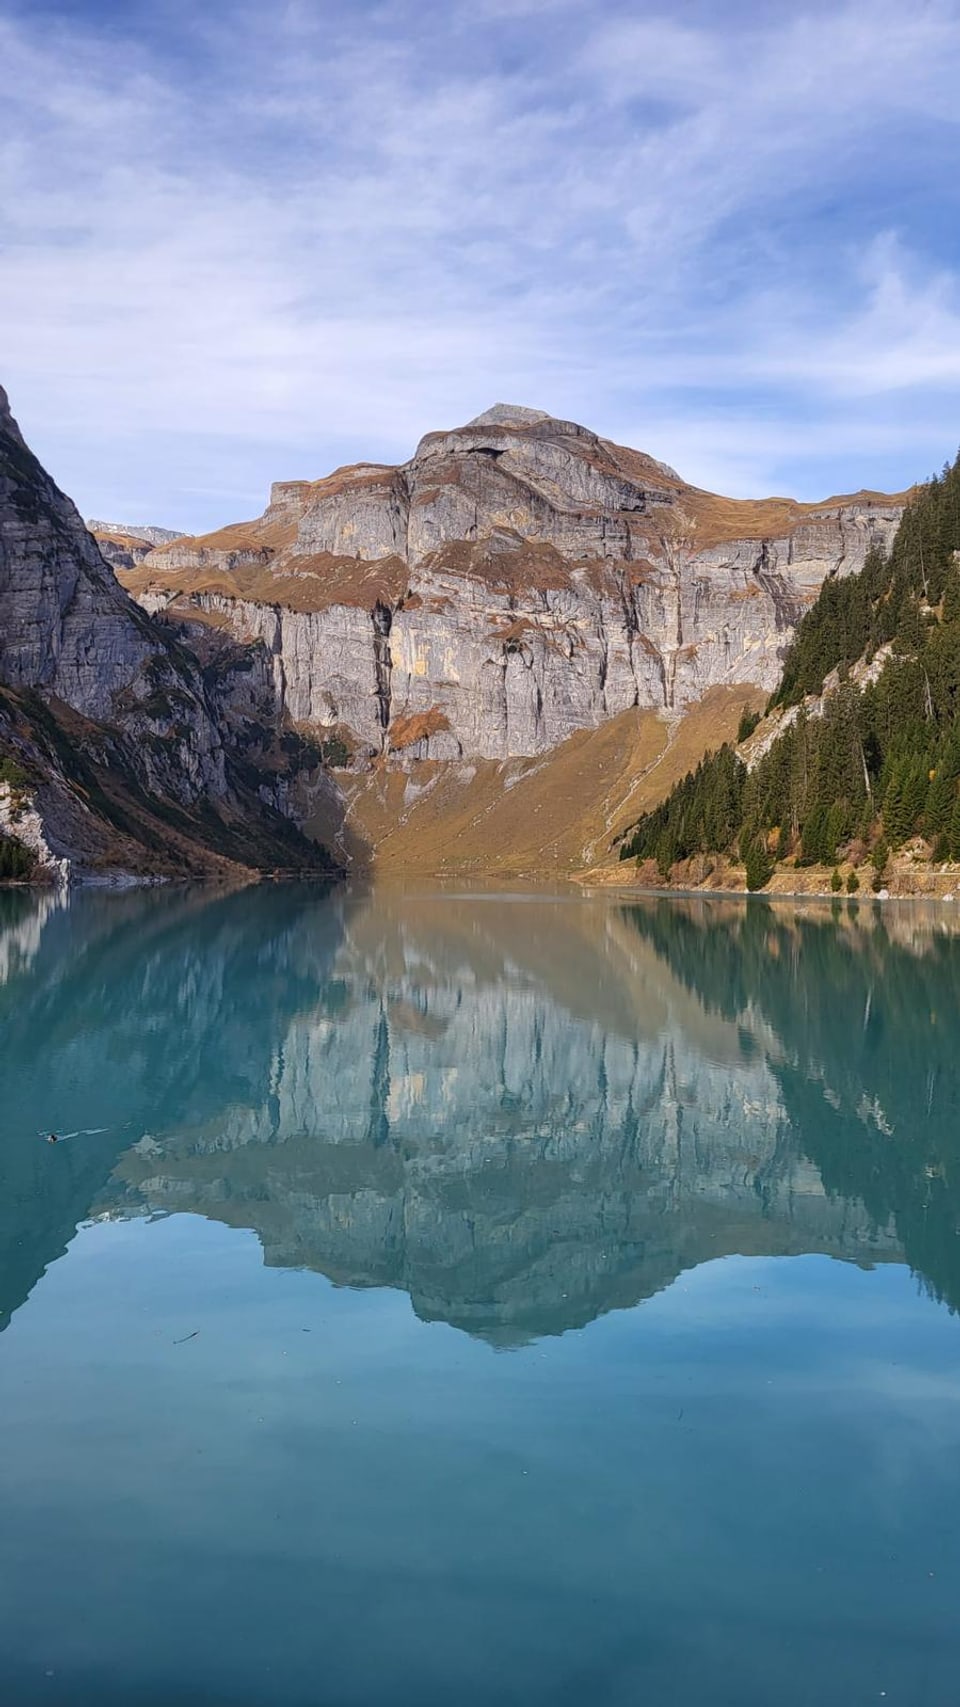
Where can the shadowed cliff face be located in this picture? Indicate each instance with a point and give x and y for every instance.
(137, 754)
(68, 628)
(517, 580)
(524, 1112)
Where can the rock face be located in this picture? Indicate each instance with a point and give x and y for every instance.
(126, 530)
(93, 690)
(69, 629)
(124, 546)
(517, 580)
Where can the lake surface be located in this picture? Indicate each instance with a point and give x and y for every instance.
(449, 1299)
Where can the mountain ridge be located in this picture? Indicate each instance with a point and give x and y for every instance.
(518, 579)
(521, 610)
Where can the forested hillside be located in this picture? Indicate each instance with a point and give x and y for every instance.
(867, 757)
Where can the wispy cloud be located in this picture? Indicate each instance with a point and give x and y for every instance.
(246, 242)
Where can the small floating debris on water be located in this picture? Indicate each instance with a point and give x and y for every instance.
(187, 1337)
(81, 1132)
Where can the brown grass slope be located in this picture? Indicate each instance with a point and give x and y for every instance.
(548, 817)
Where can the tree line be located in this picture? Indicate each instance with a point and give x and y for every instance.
(882, 763)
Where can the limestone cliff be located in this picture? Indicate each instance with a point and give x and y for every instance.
(517, 580)
(132, 752)
(125, 545)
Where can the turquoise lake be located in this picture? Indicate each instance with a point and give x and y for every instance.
(444, 1299)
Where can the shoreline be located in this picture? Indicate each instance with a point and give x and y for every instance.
(818, 897)
(588, 885)
(122, 881)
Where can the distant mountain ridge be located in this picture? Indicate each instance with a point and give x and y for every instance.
(124, 546)
(126, 530)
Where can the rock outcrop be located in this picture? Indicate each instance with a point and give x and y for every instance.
(518, 580)
(129, 743)
(124, 546)
(127, 530)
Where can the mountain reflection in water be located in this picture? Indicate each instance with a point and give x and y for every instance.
(524, 1113)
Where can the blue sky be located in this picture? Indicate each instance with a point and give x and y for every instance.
(244, 242)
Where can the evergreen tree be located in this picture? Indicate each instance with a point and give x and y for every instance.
(666, 851)
(941, 796)
(16, 860)
(834, 830)
(812, 837)
(759, 865)
(748, 723)
(898, 799)
(889, 753)
(954, 831)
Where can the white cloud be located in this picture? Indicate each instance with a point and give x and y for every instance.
(327, 230)
(903, 334)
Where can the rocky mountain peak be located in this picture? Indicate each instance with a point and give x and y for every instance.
(518, 579)
(7, 423)
(509, 415)
(507, 427)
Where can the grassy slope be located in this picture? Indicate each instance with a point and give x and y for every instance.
(532, 818)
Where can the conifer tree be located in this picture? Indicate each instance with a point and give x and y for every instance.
(941, 796)
(759, 865)
(954, 831)
(888, 754)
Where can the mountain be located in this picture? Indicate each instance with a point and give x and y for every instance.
(856, 765)
(126, 530)
(507, 647)
(120, 748)
(518, 580)
(124, 546)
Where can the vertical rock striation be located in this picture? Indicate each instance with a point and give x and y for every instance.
(519, 579)
(94, 693)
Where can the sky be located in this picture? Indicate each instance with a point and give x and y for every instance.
(242, 241)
